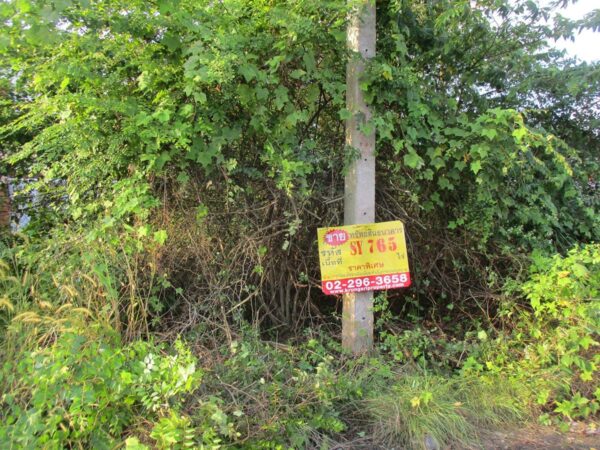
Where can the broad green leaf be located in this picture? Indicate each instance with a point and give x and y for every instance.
(160, 237)
(413, 160)
(475, 166)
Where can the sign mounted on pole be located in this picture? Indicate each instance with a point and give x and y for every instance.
(365, 257)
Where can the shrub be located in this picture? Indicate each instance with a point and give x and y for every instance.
(565, 296)
(286, 395)
(550, 345)
(84, 392)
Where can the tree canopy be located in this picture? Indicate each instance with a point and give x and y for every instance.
(115, 95)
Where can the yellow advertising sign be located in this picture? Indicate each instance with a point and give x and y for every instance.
(364, 257)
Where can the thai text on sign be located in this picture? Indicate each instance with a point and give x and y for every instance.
(366, 257)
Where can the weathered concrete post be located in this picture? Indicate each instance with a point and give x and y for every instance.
(359, 189)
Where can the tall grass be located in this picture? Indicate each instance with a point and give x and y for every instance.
(57, 285)
(424, 411)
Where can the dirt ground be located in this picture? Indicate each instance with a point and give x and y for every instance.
(533, 437)
(538, 438)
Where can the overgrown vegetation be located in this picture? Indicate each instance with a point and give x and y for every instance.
(174, 159)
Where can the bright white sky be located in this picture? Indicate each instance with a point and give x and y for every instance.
(587, 43)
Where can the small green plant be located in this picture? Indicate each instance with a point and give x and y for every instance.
(174, 432)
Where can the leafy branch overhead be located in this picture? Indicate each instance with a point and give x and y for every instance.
(110, 99)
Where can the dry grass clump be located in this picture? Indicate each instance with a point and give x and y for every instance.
(425, 411)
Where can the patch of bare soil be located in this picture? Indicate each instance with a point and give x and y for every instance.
(538, 438)
(580, 437)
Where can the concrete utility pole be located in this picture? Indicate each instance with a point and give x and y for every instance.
(359, 189)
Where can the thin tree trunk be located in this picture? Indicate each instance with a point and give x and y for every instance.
(4, 205)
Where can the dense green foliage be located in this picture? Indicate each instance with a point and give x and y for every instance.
(124, 100)
(564, 328)
(76, 391)
(175, 159)
(126, 94)
(66, 380)
(150, 116)
(254, 395)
